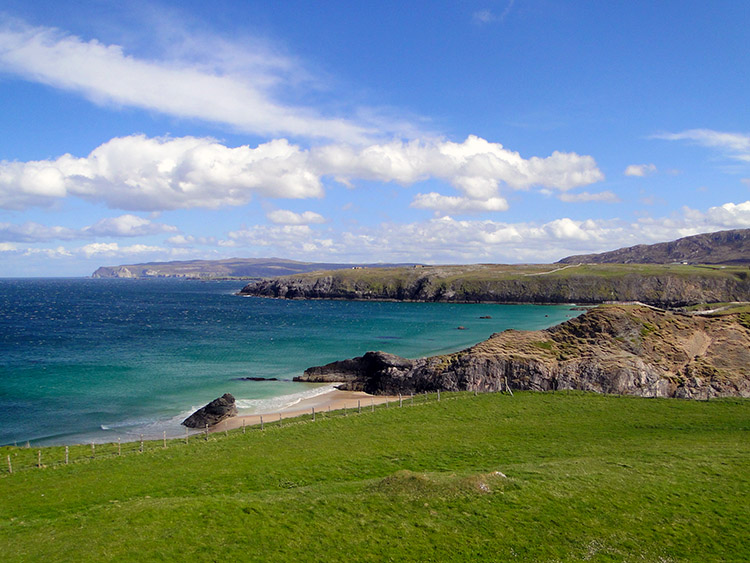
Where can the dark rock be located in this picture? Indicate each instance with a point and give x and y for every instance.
(213, 413)
(485, 317)
(375, 372)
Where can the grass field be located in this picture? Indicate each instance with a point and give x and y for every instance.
(533, 477)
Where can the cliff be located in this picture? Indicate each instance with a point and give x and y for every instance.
(659, 285)
(631, 350)
(722, 247)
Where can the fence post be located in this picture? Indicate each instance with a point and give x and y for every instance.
(243, 425)
(141, 443)
(372, 404)
(359, 407)
(66, 455)
(400, 401)
(313, 412)
(39, 458)
(412, 399)
(187, 435)
(226, 432)
(261, 422)
(119, 447)
(164, 438)
(280, 423)
(93, 450)
(207, 432)
(10, 467)
(438, 394)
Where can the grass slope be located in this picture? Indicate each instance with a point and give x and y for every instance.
(589, 477)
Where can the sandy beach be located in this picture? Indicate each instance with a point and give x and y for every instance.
(333, 400)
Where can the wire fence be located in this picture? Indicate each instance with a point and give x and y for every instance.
(25, 458)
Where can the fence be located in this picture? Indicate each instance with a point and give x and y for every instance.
(24, 458)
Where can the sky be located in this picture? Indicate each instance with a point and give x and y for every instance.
(441, 132)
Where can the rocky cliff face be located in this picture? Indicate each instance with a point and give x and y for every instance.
(663, 288)
(631, 350)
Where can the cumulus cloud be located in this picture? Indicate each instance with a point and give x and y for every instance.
(735, 145)
(640, 170)
(601, 197)
(457, 205)
(149, 174)
(141, 173)
(476, 166)
(285, 217)
(213, 89)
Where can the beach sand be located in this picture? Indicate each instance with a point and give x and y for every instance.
(333, 400)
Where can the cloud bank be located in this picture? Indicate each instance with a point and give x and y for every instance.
(139, 173)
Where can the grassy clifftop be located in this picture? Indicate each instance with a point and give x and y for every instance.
(584, 477)
(658, 284)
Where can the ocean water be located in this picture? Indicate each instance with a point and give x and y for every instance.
(92, 360)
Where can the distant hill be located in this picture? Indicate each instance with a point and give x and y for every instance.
(722, 247)
(245, 268)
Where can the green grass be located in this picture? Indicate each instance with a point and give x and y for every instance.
(588, 477)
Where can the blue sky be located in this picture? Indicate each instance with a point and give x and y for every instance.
(442, 132)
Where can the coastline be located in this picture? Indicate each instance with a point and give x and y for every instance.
(333, 400)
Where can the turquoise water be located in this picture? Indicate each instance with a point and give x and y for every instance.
(93, 360)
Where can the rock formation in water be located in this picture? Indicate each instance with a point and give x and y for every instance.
(630, 350)
(213, 413)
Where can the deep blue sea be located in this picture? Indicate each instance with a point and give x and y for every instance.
(92, 360)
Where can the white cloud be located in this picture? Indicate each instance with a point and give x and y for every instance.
(602, 197)
(111, 249)
(453, 204)
(476, 167)
(449, 240)
(127, 226)
(215, 89)
(285, 217)
(122, 226)
(142, 173)
(640, 170)
(149, 174)
(736, 145)
(8, 247)
(34, 232)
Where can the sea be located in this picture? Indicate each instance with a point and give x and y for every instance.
(93, 360)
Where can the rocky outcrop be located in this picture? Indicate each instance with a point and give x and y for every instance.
(722, 247)
(629, 350)
(213, 413)
(661, 286)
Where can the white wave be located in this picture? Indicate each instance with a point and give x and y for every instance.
(276, 404)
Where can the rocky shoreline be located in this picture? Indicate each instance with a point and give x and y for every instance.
(619, 349)
(662, 286)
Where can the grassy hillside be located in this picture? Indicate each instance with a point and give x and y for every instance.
(588, 477)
